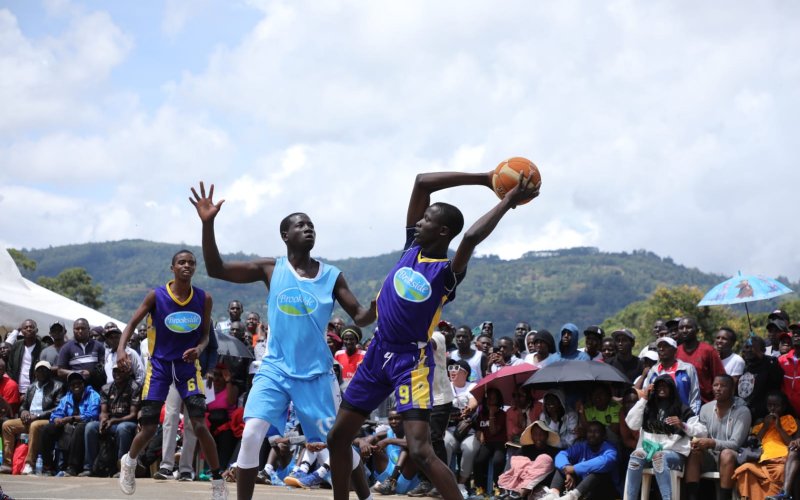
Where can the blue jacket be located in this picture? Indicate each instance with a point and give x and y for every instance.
(586, 461)
(571, 352)
(89, 406)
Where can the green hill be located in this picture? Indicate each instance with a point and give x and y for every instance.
(547, 289)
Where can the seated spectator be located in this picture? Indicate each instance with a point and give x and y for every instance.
(601, 408)
(220, 410)
(9, 391)
(79, 406)
(460, 434)
(568, 344)
(724, 342)
(558, 418)
(534, 462)
(665, 426)
(791, 488)
(608, 350)
(503, 355)
(112, 336)
(757, 480)
(791, 370)
(119, 406)
(761, 372)
(492, 438)
(541, 348)
(629, 438)
(393, 468)
(728, 422)
(682, 373)
(37, 405)
(587, 469)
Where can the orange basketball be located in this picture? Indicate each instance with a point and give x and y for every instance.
(506, 175)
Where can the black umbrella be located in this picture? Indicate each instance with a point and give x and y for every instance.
(231, 346)
(569, 371)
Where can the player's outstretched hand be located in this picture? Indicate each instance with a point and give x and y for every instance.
(206, 208)
(524, 190)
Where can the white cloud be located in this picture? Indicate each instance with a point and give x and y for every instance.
(669, 127)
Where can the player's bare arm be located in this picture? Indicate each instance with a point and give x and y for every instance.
(237, 271)
(428, 183)
(192, 354)
(141, 312)
(484, 226)
(361, 315)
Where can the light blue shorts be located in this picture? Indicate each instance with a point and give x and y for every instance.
(316, 402)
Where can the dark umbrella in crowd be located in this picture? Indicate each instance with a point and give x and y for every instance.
(570, 371)
(231, 346)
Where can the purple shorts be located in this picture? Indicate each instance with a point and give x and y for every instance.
(409, 374)
(161, 374)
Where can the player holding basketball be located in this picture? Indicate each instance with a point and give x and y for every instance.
(410, 302)
(299, 364)
(181, 316)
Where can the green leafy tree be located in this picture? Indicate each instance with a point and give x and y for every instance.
(75, 283)
(22, 262)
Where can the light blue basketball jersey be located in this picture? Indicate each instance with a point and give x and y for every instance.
(299, 310)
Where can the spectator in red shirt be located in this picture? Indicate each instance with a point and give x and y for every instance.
(700, 354)
(350, 356)
(791, 372)
(9, 390)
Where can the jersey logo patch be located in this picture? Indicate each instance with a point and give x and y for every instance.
(296, 302)
(183, 321)
(411, 285)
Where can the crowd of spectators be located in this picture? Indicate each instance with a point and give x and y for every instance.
(689, 407)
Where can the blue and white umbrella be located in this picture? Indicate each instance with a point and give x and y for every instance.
(742, 289)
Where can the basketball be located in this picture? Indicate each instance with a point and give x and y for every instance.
(506, 175)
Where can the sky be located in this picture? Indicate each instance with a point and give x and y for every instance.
(666, 126)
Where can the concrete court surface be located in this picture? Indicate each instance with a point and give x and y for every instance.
(58, 488)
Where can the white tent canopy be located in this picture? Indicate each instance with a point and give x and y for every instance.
(22, 299)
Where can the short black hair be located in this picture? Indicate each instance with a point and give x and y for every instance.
(182, 250)
(731, 331)
(728, 379)
(599, 424)
(450, 217)
(288, 219)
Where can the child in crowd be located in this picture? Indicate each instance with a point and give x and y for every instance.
(533, 464)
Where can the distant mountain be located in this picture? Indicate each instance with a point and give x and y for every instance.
(579, 285)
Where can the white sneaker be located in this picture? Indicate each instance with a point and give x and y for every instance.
(463, 490)
(127, 475)
(571, 495)
(219, 490)
(27, 470)
(551, 495)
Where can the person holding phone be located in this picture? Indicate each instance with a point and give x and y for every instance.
(503, 355)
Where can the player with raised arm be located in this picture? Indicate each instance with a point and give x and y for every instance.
(181, 316)
(409, 305)
(299, 364)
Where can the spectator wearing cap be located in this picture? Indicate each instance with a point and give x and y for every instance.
(624, 361)
(541, 347)
(83, 354)
(593, 340)
(24, 356)
(724, 341)
(791, 371)
(475, 358)
(58, 333)
(350, 356)
(113, 335)
(79, 406)
(761, 373)
(701, 355)
(777, 323)
(39, 402)
(119, 405)
(682, 373)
